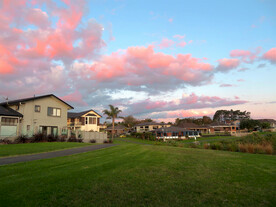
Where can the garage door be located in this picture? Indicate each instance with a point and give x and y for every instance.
(8, 131)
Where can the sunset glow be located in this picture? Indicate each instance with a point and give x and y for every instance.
(153, 59)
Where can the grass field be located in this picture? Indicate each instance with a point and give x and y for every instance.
(142, 175)
(30, 148)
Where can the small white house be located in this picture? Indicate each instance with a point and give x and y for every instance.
(84, 121)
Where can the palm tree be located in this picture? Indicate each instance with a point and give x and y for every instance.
(112, 114)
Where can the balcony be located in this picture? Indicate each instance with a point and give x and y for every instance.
(74, 124)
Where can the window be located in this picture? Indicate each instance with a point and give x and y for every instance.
(9, 121)
(37, 108)
(54, 111)
(92, 120)
(86, 120)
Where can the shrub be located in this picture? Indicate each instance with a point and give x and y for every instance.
(39, 137)
(62, 138)
(108, 141)
(206, 146)
(92, 141)
(52, 138)
(80, 140)
(5, 141)
(72, 139)
(21, 139)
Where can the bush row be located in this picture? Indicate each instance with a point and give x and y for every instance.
(254, 143)
(40, 138)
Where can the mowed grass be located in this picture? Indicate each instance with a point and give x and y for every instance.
(141, 175)
(30, 148)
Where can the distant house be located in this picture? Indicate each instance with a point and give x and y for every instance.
(224, 128)
(194, 127)
(118, 129)
(175, 133)
(272, 123)
(85, 121)
(45, 114)
(149, 126)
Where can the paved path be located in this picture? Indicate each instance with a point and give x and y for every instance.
(45, 155)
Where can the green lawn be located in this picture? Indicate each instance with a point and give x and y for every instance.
(142, 175)
(30, 148)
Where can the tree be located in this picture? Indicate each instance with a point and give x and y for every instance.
(265, 125)
(112, 114)
(129, 121)
(230, 115)
(249, 124)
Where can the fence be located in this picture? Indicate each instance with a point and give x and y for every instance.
(99, 137)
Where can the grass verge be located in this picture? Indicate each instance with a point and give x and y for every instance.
(30, 148)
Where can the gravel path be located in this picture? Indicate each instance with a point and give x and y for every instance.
(46, 155)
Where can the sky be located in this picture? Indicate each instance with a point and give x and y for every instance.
(152, 59)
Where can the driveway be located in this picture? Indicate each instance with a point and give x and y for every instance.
(46, 155)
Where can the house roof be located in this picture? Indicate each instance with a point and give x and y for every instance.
(6, 111)
(171, 129)
(13, 102)
(188, 125)
(79, 114)
(150, 123)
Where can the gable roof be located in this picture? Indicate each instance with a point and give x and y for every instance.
(13, 102)
(188, 125)
(6, 111)
(79, 114)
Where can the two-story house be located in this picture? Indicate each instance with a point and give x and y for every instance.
(84, 121)
(40, 114)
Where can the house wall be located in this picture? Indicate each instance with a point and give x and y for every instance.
(150, 127)
(91, 127)
(32, 120)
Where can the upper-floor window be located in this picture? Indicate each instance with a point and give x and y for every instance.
(54, 111)
(37, 108)
(9, 121)
(92, 120)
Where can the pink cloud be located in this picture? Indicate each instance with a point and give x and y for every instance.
(32, 58)
(189, 102)
(166, 43)
(226, 85)
(75, 98)
(182, 44)
(246, 55)
(227, 64)
(137, 62)
(38, 17)
(240, 80)
(177, 36)
(270, 55)
(170, 20)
